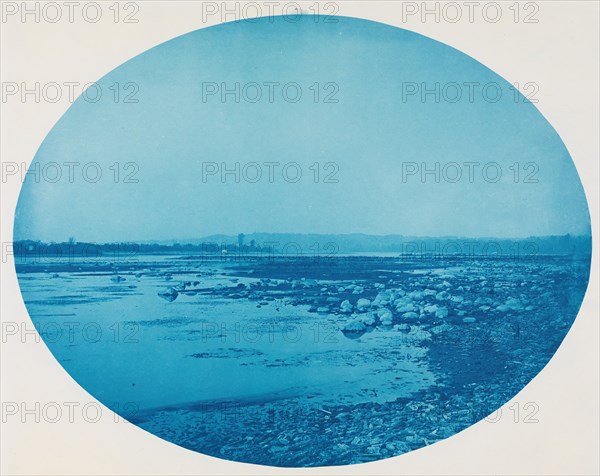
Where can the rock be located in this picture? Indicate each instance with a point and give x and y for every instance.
(367, 319)
(431, 309)
(278, 449)
(437, 330)
(354, 328)
(346, 307)
(441, 312)
(514, 304)
(410, 315)
(409, 307)
(416, 295)
(374, 450)
(382, 299)
(442, 296)
(385, 316)
(169, 294)
(363, 304)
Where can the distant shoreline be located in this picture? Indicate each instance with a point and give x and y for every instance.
(323, 246)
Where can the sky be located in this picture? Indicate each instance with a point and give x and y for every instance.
(369, 146)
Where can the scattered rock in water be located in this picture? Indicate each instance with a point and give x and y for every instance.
(404, 306)
(117, 279)
(510, 305)
(346, 307)
(442, 296)
(410, 315)
(169, 294)
(385, 316)
(431, 309)
(367, 319)
(363, 304)
(354, 329)
(437, 330)
(469, 320)
(441, 312)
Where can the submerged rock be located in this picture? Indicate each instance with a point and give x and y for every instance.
(117, 279)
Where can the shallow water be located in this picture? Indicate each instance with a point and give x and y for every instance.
(265, 336)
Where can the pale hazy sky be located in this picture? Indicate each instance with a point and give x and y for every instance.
(369, 133)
